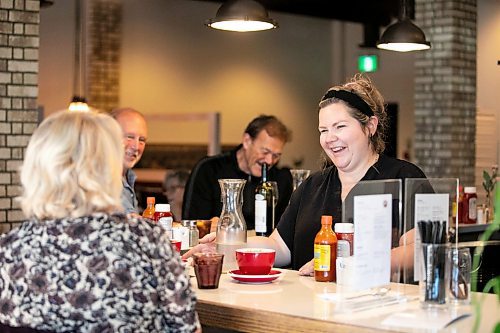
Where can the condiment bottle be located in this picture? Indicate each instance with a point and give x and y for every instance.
(325, 251)
(456, 207)
(194, 234)
(163, 217)
(180, 232)
(469, 205)
(149, 212)
(345, 239)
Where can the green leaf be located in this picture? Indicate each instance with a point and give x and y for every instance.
(494, 284)
(486, 176)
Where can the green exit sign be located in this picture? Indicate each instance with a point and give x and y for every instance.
(367, 63)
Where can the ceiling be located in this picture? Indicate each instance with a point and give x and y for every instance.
(373, 14)
(378, 12)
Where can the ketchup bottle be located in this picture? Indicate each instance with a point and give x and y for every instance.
(325, 251)
(164, 218)
(469, 205)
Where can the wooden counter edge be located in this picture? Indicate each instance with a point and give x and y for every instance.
(254, 321)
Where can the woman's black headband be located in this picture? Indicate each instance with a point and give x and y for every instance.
(350, 98)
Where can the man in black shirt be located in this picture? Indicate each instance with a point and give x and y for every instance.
(263, 142)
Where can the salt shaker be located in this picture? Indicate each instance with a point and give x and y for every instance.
(193, 233)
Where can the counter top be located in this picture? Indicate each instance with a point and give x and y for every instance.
(300, 304)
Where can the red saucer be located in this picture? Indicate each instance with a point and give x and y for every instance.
(238, 276)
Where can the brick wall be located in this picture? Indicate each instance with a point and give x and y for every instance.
(104, 58)
(19, 22)
(445, 89)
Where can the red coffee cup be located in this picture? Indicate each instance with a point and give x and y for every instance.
(255, 261)
(176, 244)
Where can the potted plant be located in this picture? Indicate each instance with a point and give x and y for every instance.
(489, 182)
(493, 284)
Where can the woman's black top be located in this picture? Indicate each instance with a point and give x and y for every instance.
(319, 195)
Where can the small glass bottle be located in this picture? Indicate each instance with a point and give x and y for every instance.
(469, 205)
(193, 233)
(460, 202)
(345, 239)
(325, 251)
(149, 212)
(163, 217)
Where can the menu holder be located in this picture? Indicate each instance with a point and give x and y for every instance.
(375, 209)
(426, 200)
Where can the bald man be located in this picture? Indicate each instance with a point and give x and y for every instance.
(135, 133)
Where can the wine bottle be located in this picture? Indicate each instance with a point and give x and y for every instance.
(264, 205)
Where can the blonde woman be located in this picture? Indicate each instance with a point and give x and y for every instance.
(78, 263)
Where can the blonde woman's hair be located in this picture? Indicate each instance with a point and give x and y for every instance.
(73, 166)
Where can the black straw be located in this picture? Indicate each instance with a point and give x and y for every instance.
(434, 233)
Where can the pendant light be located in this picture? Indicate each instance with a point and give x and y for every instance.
(404, 35)
(242, 16)
(79, 103)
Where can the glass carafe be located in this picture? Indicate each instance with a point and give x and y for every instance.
(232, 228)
(299, 175)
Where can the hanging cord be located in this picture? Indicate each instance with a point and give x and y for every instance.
(79, 77)
(76, 77)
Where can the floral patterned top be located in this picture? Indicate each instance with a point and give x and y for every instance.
(100, 273)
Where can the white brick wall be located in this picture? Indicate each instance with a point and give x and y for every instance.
(19, 41)
(445, 89)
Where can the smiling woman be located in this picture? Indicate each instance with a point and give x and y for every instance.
(351, 121)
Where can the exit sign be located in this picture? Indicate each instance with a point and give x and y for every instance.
(367, 63)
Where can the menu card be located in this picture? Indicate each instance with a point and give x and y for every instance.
(428, 207)
(371, 266)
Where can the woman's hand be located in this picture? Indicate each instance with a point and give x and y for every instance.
(207, 244)
(307, 269)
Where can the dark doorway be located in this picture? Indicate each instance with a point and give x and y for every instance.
(391, 142)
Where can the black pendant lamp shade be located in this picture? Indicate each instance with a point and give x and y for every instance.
(404, 35)
(242, 16)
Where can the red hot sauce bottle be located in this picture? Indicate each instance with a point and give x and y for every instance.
(325, 252)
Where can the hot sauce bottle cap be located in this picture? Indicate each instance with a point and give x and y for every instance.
(150, 200)
(326, 219)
